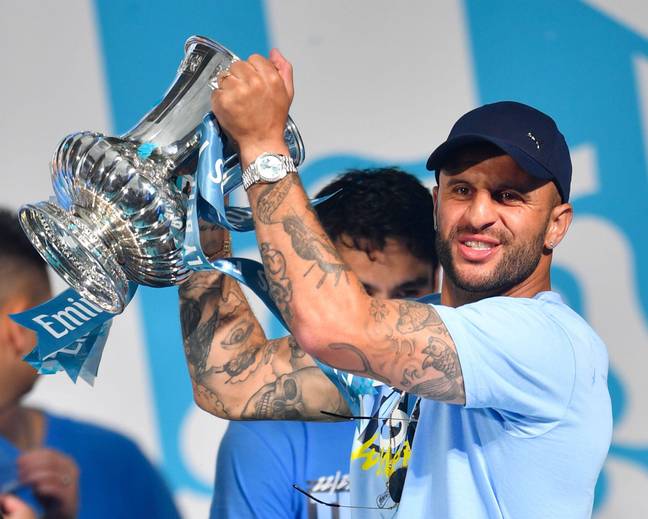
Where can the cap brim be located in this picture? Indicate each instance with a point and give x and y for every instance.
(440, 156)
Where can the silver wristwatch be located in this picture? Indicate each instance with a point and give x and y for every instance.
(268, 167)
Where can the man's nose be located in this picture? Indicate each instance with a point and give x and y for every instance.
(481, 213)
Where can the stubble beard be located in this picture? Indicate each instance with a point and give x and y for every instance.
(516, 265)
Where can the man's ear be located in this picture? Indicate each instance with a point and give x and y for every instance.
(19, 339)
(435, 199)
(559, 222)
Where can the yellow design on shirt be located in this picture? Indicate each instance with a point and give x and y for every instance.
(387, 461)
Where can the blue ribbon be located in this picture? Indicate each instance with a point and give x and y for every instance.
(207, 201)
(72, 332)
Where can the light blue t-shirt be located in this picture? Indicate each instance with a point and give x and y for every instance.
(258, 462)
(530, 441)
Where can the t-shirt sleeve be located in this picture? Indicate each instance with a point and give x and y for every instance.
(254, 473)
(515, 358)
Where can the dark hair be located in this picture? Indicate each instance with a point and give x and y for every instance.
(15, 248)
(376, 204)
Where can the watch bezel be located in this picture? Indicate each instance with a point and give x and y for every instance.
(277, 167)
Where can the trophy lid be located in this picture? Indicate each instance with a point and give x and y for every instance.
(76, 253)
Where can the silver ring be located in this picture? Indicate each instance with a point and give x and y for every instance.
(215, 82)
(66, 480)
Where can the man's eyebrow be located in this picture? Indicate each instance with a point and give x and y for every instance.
(457, 169)
(519, 186)
(452, 180)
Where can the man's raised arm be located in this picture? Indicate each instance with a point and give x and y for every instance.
(402, 343)
(235, 371)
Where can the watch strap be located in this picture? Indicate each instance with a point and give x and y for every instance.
(251, 174)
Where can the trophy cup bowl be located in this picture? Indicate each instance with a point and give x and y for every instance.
(120, 207)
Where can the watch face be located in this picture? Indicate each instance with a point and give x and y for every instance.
(270, 168)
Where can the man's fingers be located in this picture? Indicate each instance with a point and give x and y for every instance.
(45, 459)
(285, 70)
(38, 458)
(46, 467)
(264, 67)
(48, 477)
(242, 70)
(268, 72)
(10, 504)
(14, 508)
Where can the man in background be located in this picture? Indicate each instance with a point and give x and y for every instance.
(74, 469)
(381, 223)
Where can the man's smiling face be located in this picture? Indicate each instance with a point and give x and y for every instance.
(492, 220)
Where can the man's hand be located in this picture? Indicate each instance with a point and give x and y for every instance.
(54, 478)
(252, 104)
(13, 508)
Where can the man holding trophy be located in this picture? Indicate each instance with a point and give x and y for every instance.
(492, 403)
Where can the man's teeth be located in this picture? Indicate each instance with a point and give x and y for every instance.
(478, 245)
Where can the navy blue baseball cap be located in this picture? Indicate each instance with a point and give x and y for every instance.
(530, 137)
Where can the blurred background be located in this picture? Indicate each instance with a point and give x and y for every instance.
(377, 82)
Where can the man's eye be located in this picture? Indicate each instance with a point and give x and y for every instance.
(508, 196)
(461, 190)
(410, 293)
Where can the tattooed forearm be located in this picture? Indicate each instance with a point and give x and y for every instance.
(238, 336)
(441, 357)
(210, 399)
(311, 247)
(406, 345)
(280, 287)
(297, 355)
(234, 367)
(271, 197)
(196, 331)
(241, 366)
(207, 305)
(442, 389)
(299, 395)
(355, 361)
(433, 370)
(252, 356)
(378, 310)
(414, 317)
(198, 345)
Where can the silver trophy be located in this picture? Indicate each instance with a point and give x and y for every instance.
(120, 206)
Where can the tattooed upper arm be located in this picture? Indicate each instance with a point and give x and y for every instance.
(236, 372)
(407, 346)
